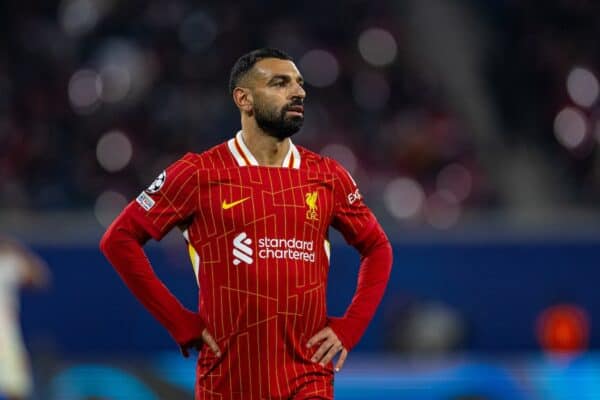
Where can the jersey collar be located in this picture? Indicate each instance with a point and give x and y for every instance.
(244, 157)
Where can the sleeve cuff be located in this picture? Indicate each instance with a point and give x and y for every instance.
(190, 328)
(337, 324)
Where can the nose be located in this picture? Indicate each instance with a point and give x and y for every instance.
(299, 91)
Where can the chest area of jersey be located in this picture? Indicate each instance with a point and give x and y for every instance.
(266, 200)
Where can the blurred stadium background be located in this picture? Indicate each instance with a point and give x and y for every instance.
(472, 128)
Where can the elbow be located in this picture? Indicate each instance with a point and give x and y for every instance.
(113, 234)
(388, 247)
(122, 232)
(385, 253)
(390, 254)
(375, 242)
(110, 237)
(106, 242)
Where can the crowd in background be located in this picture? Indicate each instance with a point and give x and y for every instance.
(97, 97)
(446, 112)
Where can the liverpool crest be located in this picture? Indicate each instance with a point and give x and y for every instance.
(311, 202)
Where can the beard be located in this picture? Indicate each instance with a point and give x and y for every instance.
(275, 122)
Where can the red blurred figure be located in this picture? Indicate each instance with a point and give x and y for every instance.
(563, 329)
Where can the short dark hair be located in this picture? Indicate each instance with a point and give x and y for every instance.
(247, 61)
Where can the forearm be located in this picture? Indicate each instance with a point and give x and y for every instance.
(375, 267)
(122, 246)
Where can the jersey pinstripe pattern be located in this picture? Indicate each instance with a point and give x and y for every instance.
(261, 313)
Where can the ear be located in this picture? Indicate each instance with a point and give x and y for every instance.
(243, 99)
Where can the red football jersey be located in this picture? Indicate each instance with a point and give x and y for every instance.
(257, 237)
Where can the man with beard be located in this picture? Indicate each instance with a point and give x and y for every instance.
(255, 213)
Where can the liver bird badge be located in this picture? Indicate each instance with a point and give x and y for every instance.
(311, 202)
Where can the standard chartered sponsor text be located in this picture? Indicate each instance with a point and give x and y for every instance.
(291, 249)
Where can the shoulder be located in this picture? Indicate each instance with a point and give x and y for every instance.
(316, 162)
(216, 157)
(308, 155)
(188, 166)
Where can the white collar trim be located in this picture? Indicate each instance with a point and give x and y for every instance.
(244, 157)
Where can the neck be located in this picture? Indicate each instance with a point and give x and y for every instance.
(269, 151)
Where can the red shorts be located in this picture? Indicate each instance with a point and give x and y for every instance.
(320, 388)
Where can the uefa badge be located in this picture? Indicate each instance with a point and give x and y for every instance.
(158, 183)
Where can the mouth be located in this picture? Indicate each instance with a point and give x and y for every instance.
(298, 110)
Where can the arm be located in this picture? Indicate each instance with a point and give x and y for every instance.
(122, 245)
(361, 230)
(342, 334)
(376, 263)
(169, 200)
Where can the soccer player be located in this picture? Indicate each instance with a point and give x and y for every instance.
(255, 213)
(19, 268)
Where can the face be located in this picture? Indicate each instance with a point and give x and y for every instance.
(278, 97)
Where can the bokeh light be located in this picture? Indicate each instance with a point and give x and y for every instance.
(563, 328)
(84, 91)
(442, 210)
(570, 127)
(115, 83)
(108, 205)
(126, 68)
(320, 68)
(597, 131)
(456, 179)
(403, 197)
(343, 154)
(431, 328)
(582, 86)
(377, 46)
(114, 151)
(78, 17)
(371, 90)
(197, 31)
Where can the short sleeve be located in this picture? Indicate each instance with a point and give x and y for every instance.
(170, 200)
(351, 216)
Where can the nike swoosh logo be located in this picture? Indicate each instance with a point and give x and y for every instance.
(227, 206)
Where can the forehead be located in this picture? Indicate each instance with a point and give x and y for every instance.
(270, 67)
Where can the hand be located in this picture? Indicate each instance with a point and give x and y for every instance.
(198, 342)
(330, 346)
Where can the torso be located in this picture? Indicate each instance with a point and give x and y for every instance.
(260, 235)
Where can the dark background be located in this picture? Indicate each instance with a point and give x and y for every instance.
(472, 128)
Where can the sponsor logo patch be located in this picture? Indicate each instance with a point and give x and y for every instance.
(272, 248)
(145, 201)
(242, 252)
(354, 197)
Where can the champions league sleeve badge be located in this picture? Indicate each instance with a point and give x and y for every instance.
(158, 183)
